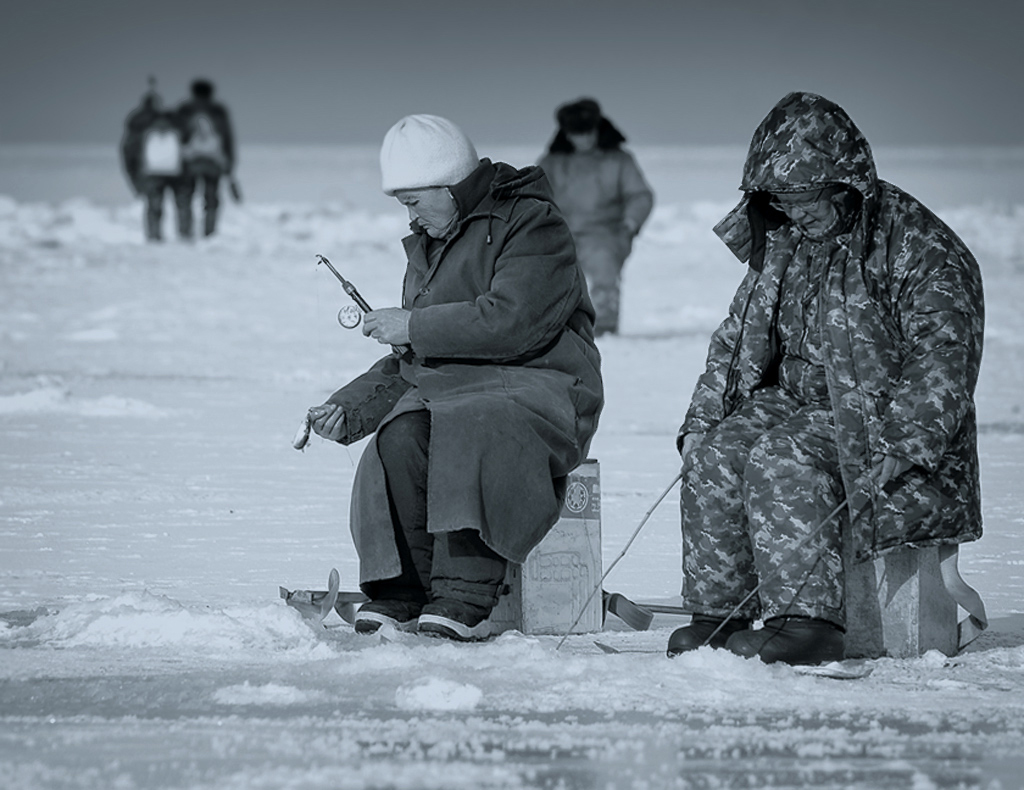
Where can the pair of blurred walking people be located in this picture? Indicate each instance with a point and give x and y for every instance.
(177, 149)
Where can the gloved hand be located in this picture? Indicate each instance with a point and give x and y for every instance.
(887, 468)
(690, 441)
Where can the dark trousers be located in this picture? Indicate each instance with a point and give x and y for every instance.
(450, 565)
(183, 192)
(602, 257)
(152, 189)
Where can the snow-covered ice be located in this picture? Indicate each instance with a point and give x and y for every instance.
(151, 503)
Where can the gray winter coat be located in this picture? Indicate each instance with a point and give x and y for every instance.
(505, 362)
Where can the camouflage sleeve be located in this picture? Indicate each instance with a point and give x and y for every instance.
(940, 307)
(707, 405)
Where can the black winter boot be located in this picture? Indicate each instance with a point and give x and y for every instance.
(400, 615)
(701, 626)
(459, 620)
(791, 640)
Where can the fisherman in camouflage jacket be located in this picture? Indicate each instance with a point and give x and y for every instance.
(837, 399)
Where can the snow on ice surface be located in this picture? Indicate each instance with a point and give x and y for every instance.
(55, 399)
(150, 504)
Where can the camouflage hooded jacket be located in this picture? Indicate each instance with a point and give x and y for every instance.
(902, 325)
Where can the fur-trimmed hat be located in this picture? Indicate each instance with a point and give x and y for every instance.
(423, 151)
(579, 117)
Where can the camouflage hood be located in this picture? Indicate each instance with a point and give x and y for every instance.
(805, 142)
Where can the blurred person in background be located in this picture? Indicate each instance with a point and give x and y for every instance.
(492, 403)
(151, 156)
(603, 197)
(837, 404)
(208, 154)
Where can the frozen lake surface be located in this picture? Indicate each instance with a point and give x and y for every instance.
(151, 504)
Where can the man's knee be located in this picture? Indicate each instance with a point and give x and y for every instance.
(773, 459)
(404, 438)
(715, 461)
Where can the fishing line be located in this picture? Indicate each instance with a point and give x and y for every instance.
(600, 582)
(778, 569)
(319, 335)
(321, 353)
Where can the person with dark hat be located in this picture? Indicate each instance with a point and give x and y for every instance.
(603, 196)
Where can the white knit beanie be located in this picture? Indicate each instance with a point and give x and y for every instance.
(425, 151)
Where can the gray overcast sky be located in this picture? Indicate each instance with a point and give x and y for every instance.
(930, 72)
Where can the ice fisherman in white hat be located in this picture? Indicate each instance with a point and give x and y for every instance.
(493, 404)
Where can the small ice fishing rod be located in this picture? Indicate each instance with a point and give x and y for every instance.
(349, 288)
(348, 317)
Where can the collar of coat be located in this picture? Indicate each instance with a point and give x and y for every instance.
(493, 189)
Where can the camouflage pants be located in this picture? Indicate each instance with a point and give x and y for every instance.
(602, 257)
(757, 484)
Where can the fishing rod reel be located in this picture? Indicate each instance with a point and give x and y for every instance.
(350, 316)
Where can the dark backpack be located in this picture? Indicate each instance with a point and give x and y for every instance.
(205, 143)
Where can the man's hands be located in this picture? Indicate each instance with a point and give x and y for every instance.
(887, 468)
(328, 421)
(389, 325)
(690, 441)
